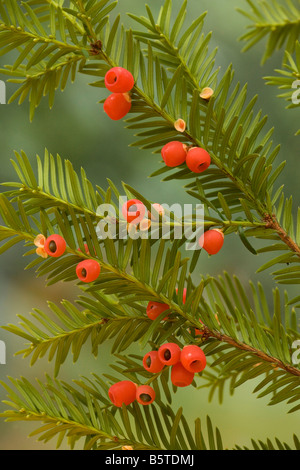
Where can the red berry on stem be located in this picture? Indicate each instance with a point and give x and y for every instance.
(55, 246)
(193, 358)
(88, 270)
(198, 159)
(122, 392)
(181, 377)
(119, 80)
(169, 354)
(145, 395)
(212, 241)
(174, 153)
(133, 211)
(152, 363)
(154, 309)
(117, 105)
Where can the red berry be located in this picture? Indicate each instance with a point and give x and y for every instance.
(169, 354)
(117, 105)
(181, 377)
(193, 358)
(55, 246)
(145, 395)
(122, 392)
(152, 363)
(212, 241)
(119, 80)
(88, 270)
(154, 309)
(174, 153)
(133, 211)
(198, 159)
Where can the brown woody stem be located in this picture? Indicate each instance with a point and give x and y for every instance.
(272, 223)
(245, 347)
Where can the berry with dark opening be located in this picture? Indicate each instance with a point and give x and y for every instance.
(119, 80)
(55, 246)
(133, 211)
(174, 153)
(198, 159)
(154, 309)
(122, 392)
(181, 377)
(212, 241)
(145, 395)
(117, 105)
(88, 270)
(193, 358)
(152, 363)
(169, 354)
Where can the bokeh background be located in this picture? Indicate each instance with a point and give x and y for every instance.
(77, 129)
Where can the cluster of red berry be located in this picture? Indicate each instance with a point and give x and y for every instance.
(120, 82)
(176, 153)
(55, 246)
(185, 363)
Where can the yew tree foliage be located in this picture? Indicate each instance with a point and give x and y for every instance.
(244, 337)
(279, 22)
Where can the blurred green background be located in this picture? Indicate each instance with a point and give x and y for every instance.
(77, 129)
